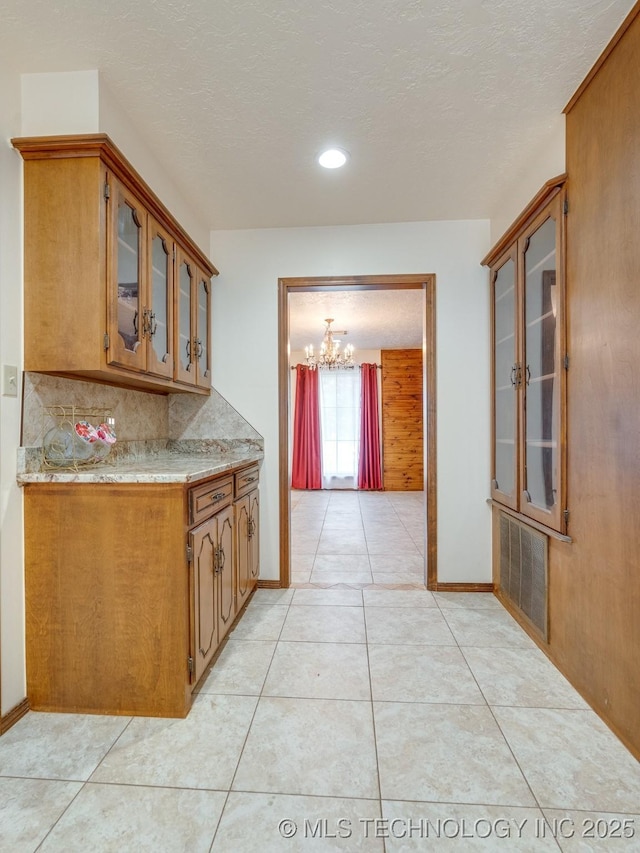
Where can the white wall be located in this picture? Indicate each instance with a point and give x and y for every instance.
(245, 363)
(61, 103)
(80, 102)
(12, 660)
(548, 162)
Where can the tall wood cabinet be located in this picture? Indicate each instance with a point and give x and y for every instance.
(115, 289)
(130, 589)
(529, 362)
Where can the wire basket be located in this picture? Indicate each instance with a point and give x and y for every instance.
(75, 438)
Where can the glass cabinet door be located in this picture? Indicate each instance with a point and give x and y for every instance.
(506, 379)
(185, 367)
(127, 270)
(529, 362)
(158, 316)
(542, 365)
(203, 331)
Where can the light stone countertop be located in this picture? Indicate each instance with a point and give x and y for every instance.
(162, 467)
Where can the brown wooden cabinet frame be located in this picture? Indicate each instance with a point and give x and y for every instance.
(71, 184)
(131, 589)
(549, 203)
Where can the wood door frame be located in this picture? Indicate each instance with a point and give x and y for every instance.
(424, 282)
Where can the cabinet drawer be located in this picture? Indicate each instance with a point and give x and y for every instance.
(246, 480)
(208, 498)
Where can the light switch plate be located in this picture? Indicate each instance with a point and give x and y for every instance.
(9, 380)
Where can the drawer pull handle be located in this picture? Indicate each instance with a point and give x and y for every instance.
(218, 496)
(249, 479)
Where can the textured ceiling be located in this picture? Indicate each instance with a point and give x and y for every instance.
(382, 319)
(440, 102)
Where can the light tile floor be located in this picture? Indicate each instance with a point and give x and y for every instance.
(365, 719)
(357, 539)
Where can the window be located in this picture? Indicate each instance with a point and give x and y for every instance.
(340, 427)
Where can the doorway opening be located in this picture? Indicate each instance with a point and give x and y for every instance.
(425, 283)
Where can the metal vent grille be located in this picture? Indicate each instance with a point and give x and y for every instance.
(524, 570)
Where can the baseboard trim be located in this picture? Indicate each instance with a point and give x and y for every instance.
(461, 587)
(269, 585)
(12, 716)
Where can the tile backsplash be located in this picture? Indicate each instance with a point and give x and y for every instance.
(139, 416)
(195, 417)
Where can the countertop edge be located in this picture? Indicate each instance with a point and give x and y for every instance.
(161, 468)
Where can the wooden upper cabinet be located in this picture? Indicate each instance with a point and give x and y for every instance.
(102, 272)
(158, 315)
(185, 285)
(529, 361)
(504, 484)
(126, 277)
(193, 323)
(202, 325)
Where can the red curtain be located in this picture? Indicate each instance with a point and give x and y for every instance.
(307, 470)
(369, 472)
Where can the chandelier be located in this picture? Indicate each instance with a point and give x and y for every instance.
(330, 356)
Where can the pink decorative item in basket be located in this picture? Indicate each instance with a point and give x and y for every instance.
(86, 432)
(107, 433)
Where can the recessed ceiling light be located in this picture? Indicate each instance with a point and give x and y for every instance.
(333, 158)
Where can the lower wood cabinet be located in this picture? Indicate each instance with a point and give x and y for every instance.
(211, 545)
(131, 588)
(247, 517)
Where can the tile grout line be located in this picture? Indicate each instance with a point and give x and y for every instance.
(246, 737)
(504, 738)
(82, 787)
(373, 719)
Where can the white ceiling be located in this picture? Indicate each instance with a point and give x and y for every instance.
(440, 102)
(381, 319)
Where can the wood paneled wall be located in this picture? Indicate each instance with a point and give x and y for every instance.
(595, 581)
(402, 420)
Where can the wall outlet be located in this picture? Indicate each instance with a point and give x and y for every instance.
(9, 380)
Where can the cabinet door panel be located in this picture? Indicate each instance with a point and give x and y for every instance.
(243, 572)
(203, 542)
(158, 314)
(542, 371)
(202, 344)
(127, 270)
(505, 381)
(226, 603)
(185, 367)
(254, 540)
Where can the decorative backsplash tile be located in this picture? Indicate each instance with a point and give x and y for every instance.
(145, 424)
(192, 417)
(138, 416)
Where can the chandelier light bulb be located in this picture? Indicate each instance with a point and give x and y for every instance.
(329, 356)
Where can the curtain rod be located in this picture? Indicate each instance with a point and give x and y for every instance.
(293, 366)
